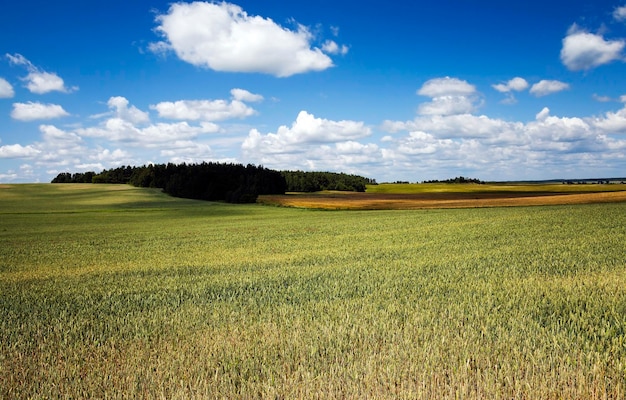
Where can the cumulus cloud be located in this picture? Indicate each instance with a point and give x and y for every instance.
(130, 125)
(449, 96)
(448, 105)
(34, 110)
(205, 110)
(620, 13)
(6, 89)
(313, 143)
(611, 122)
(546, 87)
(120, 108)
(306, 129)
(151, 136)
(223, 37)
(467, 126)
(583, 50)
(548, 146)
(38, 81)
(446, 87)
(244, 95)
(18, 151)
(516, 84)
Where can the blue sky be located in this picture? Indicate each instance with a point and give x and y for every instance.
(390, 90)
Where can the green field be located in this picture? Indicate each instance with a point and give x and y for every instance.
(119, 292)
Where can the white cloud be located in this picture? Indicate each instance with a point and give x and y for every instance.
(612, 122)
(110, 157)
(548, 147)
(546, 87)
(314, 144)
(39, 81)
(6, 90)
(205, 110)
(620, 13)
(447, 105)
(155, 135)
(516, 84)
(223, 37)
(446, 87)
(244, 95)
(461, 126)
(55, 137)
(583, 50)
(44, 82)
(543, 114)
(307, 129)
(34, 110)
(331, 47)
(18, 151)
(449, 96)
(119, 107)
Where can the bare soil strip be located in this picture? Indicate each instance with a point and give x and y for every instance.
(375, 201)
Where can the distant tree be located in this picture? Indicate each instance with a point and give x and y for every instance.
(79, 177)
(458, 179)
(300, 181)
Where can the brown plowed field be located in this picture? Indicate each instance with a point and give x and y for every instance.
(380, 201)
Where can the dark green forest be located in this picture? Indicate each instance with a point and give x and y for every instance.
(300, 181)
(233, 183)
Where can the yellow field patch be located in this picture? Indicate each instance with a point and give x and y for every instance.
(378, 201)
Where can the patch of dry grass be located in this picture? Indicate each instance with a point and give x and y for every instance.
(392, 201)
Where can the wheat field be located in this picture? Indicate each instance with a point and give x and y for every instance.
(120, 292)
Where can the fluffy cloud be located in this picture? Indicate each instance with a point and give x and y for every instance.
(447, 105)
(549, 146)
(205, 110)
(120, 108)
(223, 37)
(620, 13)
(244, 95)
(446, 87)
(156, 135)
(331, 47)
(583, 50)
(18, 151)
(6, 90)
(611, 122)
(516, 84)
(38, 81)
(546, 87)
(449, 96)
(33, 111)
(130, 125)
(314, 144)
(307, 129)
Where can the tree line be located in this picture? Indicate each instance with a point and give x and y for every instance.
(233, 183)
(300, 181)
(458, 179)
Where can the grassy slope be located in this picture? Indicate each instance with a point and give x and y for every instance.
(124, 292)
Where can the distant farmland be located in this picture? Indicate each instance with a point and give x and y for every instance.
(112, 291)
(420, 196)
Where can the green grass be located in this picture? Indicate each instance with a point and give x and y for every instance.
(119, 292)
